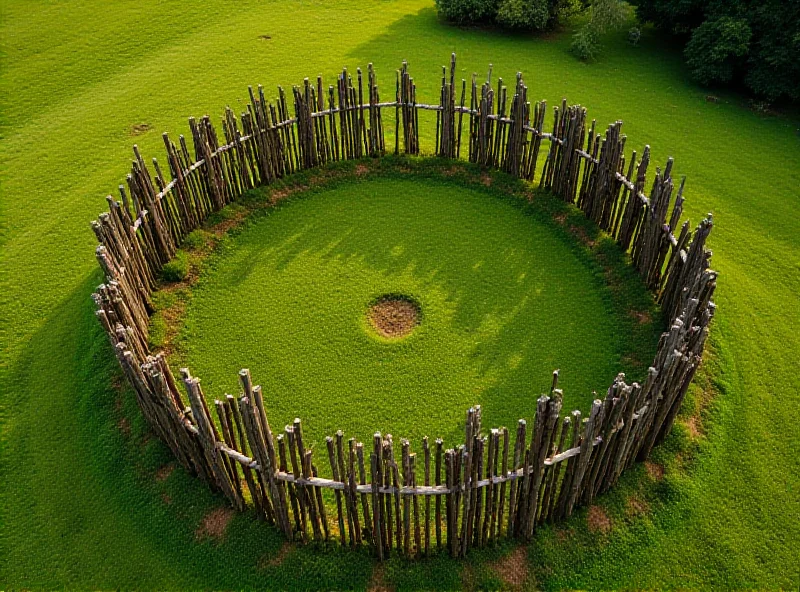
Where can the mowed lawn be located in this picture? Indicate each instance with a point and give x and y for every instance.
(84, 504)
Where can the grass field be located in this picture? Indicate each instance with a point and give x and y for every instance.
(506, 296)
(81, 507)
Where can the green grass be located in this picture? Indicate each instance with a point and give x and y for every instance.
(506, 297)
(177, 269)
(80, 505)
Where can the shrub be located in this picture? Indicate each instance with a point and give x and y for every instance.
(523, 14)
(197, 239)
(560, 10)
(585, 44)
(467, 11)
(177, 269)
(634, 34)
(528, 15)
(773, 65)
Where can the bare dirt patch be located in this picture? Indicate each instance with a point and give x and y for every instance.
(633, 360)
(214, 524)
(654, 470)
(598, 520)
(281, 194)
(394, 316)
(118, 385)
(124, 426)
(449, 172)
(683, 459)
(580, 233)
(140, 128)
(267, 561)
(693, 425)
(164, 472)
(640, 316)
(173, 315)
(166, 498)
(636, 506)
(222, 228)
(564, 534)
(378, 583)
(513, 568)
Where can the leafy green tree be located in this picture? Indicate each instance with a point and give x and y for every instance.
(716, 48)
(773, 66)
(750, 42)
(604, 15)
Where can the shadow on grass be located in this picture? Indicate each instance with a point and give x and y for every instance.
(637, 322)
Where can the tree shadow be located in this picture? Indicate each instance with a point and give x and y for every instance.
(520, 334)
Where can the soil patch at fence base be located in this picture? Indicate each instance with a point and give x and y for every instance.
(378, 581)
(394, 316)
(278, 558)
(513, 568)
(124, 426)
(598, 520)
(163, 473)
(636, 506)
(214, 524)
(654, 470)
(693, 425)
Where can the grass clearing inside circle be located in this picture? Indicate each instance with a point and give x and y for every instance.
(508, 295)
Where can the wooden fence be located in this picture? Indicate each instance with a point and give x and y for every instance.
(495, 483)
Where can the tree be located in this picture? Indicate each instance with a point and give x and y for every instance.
(716, 48)
(604, 15)
(750, 42)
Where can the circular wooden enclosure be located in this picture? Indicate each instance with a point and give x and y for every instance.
(492, 483)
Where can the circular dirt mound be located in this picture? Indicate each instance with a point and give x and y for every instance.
(394, 316)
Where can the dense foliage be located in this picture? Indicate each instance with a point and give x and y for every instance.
(530, 15)
(756, 43)
(604, 15)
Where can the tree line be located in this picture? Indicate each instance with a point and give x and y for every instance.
(750, 44)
